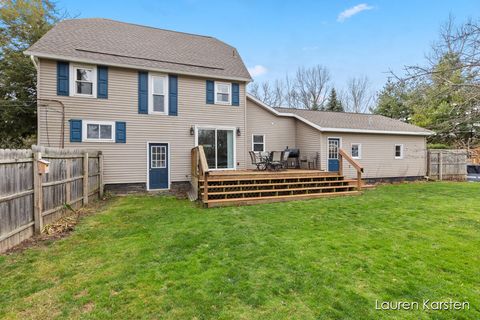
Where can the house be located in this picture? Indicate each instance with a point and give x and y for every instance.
(146, 96)
(387, 148)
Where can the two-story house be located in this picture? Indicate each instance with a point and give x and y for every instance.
(146, 96)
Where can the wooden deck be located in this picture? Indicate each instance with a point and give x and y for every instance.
(244, 187)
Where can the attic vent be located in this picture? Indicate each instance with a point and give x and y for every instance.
(234, 53)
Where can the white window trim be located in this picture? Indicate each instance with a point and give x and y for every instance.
(359, 150)
(199, 127)
(229, 103)
(150, 92)
(401, 151)
(264, 143)
(73, 82)
(85, 124)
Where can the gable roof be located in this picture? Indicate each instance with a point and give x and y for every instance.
(109, 42)
(346, 121)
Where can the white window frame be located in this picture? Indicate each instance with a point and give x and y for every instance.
(151, 76)
(359, 145)
(229, 103)
(85, 124)
(263, 143)
(401, 151)
(73, 80)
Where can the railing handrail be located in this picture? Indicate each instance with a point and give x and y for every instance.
(352, 161)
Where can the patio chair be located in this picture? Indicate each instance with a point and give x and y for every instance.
(257, 161)
(276, 162)
(285, 159)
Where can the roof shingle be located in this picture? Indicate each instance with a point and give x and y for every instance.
(113, 42)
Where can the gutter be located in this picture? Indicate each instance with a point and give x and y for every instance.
(346, 130)
(128, 66)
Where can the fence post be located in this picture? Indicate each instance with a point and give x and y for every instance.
(440, 166)
(85, 178)
(100, 173)
(37, 194)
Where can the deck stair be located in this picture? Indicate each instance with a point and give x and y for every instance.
(244, 187)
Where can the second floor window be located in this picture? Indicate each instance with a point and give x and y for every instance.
(84, 81)
(158, 94)
(223, 93)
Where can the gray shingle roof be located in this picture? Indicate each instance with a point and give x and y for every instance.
(118, 43)
(355, 121)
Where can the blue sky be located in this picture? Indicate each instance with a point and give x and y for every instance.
(369, 38)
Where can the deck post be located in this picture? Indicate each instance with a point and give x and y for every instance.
(205, 187)
(340, 164)
(359, 180)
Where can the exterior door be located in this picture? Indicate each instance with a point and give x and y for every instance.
(158, 166)
(333, 146)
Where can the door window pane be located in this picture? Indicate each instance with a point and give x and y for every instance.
(333, 149)
(206, 138)
(158, 157)
(218, 147)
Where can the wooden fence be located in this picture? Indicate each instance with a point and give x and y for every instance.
(30, 199)
(446, 164)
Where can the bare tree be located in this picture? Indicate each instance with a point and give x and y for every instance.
(311, 86)
(357, 96)
(272, 95)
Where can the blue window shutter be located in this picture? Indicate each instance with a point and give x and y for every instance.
(235, 94)
(120, 132)
(75, 130)
(143, 92)
(62, 78)
(102, 82)
(210, 91)
(172, 95)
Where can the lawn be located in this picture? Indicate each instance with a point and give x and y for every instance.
(158, 257)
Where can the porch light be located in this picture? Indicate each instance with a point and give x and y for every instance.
(238, 132)
(192, 131)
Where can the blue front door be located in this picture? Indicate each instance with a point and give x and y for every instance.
(158, 166)
(333, 146)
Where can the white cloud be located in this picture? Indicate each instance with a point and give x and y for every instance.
(258, 70)
(350, 12)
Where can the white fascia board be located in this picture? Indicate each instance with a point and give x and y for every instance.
(129, 66)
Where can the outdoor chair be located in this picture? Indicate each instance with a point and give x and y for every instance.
(257, 161)
(276, 161)
(285, 159)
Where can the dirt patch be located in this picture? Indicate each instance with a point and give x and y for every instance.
(62, 227)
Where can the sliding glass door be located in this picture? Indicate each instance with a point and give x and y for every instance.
(219, 147)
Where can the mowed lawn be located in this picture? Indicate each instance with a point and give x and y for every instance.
(155, 257)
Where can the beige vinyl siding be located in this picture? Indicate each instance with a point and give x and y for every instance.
(378, 154)
(307, 140)
(279, 131)
(127, 163)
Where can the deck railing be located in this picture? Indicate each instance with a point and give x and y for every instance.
(342, 154)
(199, 170)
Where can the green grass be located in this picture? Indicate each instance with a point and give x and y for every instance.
(157, 257)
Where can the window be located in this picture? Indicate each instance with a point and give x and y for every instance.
(258, 142)
(84, 80)
(219, 147)
(356, 151)
(223, 93)
(99, 131)
(158, 97)
(158, 157)
(399, 151)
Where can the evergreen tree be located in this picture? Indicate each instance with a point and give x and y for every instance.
(334, 104)
(22, 23)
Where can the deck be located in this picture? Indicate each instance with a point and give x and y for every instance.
(243, 187)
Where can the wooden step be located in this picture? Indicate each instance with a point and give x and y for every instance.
(278, 190)
(271, 177)
(276, 184)
(270, 199)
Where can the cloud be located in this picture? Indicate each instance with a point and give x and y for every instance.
(258, 70)
(350, 12)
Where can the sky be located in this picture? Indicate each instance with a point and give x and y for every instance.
(350, 38)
